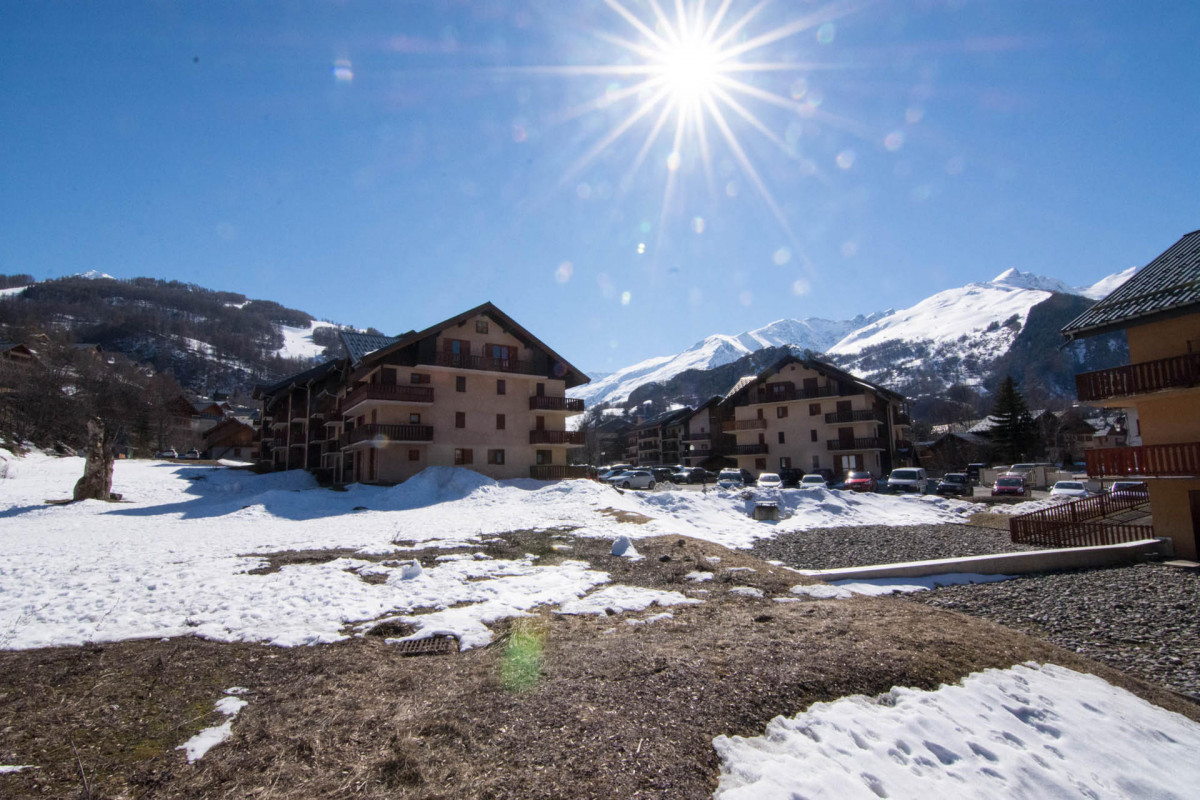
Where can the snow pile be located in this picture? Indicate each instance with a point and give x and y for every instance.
(1029, 731)
(199, 745)
(614, 599)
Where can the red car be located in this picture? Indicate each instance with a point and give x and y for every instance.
(1009, 485)
(860, 481)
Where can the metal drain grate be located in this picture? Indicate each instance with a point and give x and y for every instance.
(429, 646)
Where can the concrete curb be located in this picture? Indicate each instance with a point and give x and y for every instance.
(1006, 563)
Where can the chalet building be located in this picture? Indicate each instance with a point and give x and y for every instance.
(807, 415)
(1159, 310)
(476, 391)
(17, 354)
(705, 443)
(657, 440)
(232, 438)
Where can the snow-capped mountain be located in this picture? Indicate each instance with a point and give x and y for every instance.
(954, 336)
(813, 334)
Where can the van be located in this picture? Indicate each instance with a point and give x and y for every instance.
(908, 479)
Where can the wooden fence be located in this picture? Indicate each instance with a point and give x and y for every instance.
(1073, 524)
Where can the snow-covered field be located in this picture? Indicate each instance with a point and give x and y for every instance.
(182, 555)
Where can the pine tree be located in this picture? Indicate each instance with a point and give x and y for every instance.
(1014, 434)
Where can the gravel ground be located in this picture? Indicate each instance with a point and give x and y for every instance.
(830, 548)
(1140, 619)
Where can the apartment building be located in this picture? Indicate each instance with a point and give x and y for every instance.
(704, 442)
(475, 391)
(807, 415)
(1159, 311)
(657, 440)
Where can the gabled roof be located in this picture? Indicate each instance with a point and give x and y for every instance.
(1166, 287)
(571, 375)
(361, 345)
(820, 366)
(311, 374)
(666, 418)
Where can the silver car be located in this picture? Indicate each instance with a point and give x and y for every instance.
(634, 479)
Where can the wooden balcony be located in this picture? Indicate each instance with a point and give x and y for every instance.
(846, 445)
(557, 472)
(732, 425)
(543, 403)
(864, 415)
(1151, 461)
(400, 393)
(485, 363)
(824, 390)
(569, 438)
(1178, 372)
(696, 437)
(750, 450)
(387, 434)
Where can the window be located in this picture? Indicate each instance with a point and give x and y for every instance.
(760, 414)
(414, 455)
(760, 463)
(762, 438)
(460, 383)
(495, 456)
(543, 456)
(816, 462)
(500, 352)
(463, 456)
(813, 434)
(781, 437)
(780, 412)
(499, 422)
(813, 410)
(460, 419)
(501, 387)
(481, 326)
(785, 462)
(417, 377)
(414, 419)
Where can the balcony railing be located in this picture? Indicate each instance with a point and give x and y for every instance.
(383, 434)
(750, 450)
(574, 438)
(865, 443)
(400, 393)
(1076, 524)
(1152, 460)
(1178, 372)
(824, 390)
(696, 437)
(486, 363)
(698, 452)
(902, 419)
(863, 415)
(543, 403)
(557, 472)
(729, 426)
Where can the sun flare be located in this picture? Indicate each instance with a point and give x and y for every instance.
(691, 69)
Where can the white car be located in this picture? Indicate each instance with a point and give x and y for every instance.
(813, 481)
(168, 453)
(1069, 489)
(769, 480)
(730, 478)
(634, 479)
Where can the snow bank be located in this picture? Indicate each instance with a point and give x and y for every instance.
(1030, 731)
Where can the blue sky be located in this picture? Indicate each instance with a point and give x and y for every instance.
(393, 164)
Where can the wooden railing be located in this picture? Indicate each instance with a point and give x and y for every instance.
(1178, 372)
(825, 390)
(543, 403)
(487, 363)
(864, 415)
(729, 426)
(576, 438)
(388, 433)
(1073, 524)
(1152, 460)
(397, 393)
(557, 472)
(698, 452)
(750, 450)
(864, 443)
(696, 437)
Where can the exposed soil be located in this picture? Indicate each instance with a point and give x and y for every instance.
(615, 710)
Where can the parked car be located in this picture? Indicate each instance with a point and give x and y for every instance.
(1074, 489)
(192, 454)
(733, 478)
(790, 476)
(974, 471)
(168, 453)
(908, 479)
(955, 483)
(662, 474)
(691, 475)
(813, 481)
(633, 479)
(605, 474)
(769, 480)
(1010, 485)
(860, 482)
(1127, 488)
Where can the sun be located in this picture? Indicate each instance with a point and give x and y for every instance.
(691, 69)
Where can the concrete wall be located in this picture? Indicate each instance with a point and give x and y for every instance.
(1172, 511)
(1162, 339)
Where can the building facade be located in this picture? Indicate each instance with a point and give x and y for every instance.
(1159, 311)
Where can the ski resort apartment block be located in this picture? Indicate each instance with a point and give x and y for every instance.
(476, 391)
(1159, 310)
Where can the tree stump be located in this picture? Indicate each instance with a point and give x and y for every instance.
(96, 483)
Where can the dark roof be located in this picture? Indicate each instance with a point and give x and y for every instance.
(666, 418)
(1167, 286)
(571, 375)
(820, 366)
(308, 375)
(361, 345)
